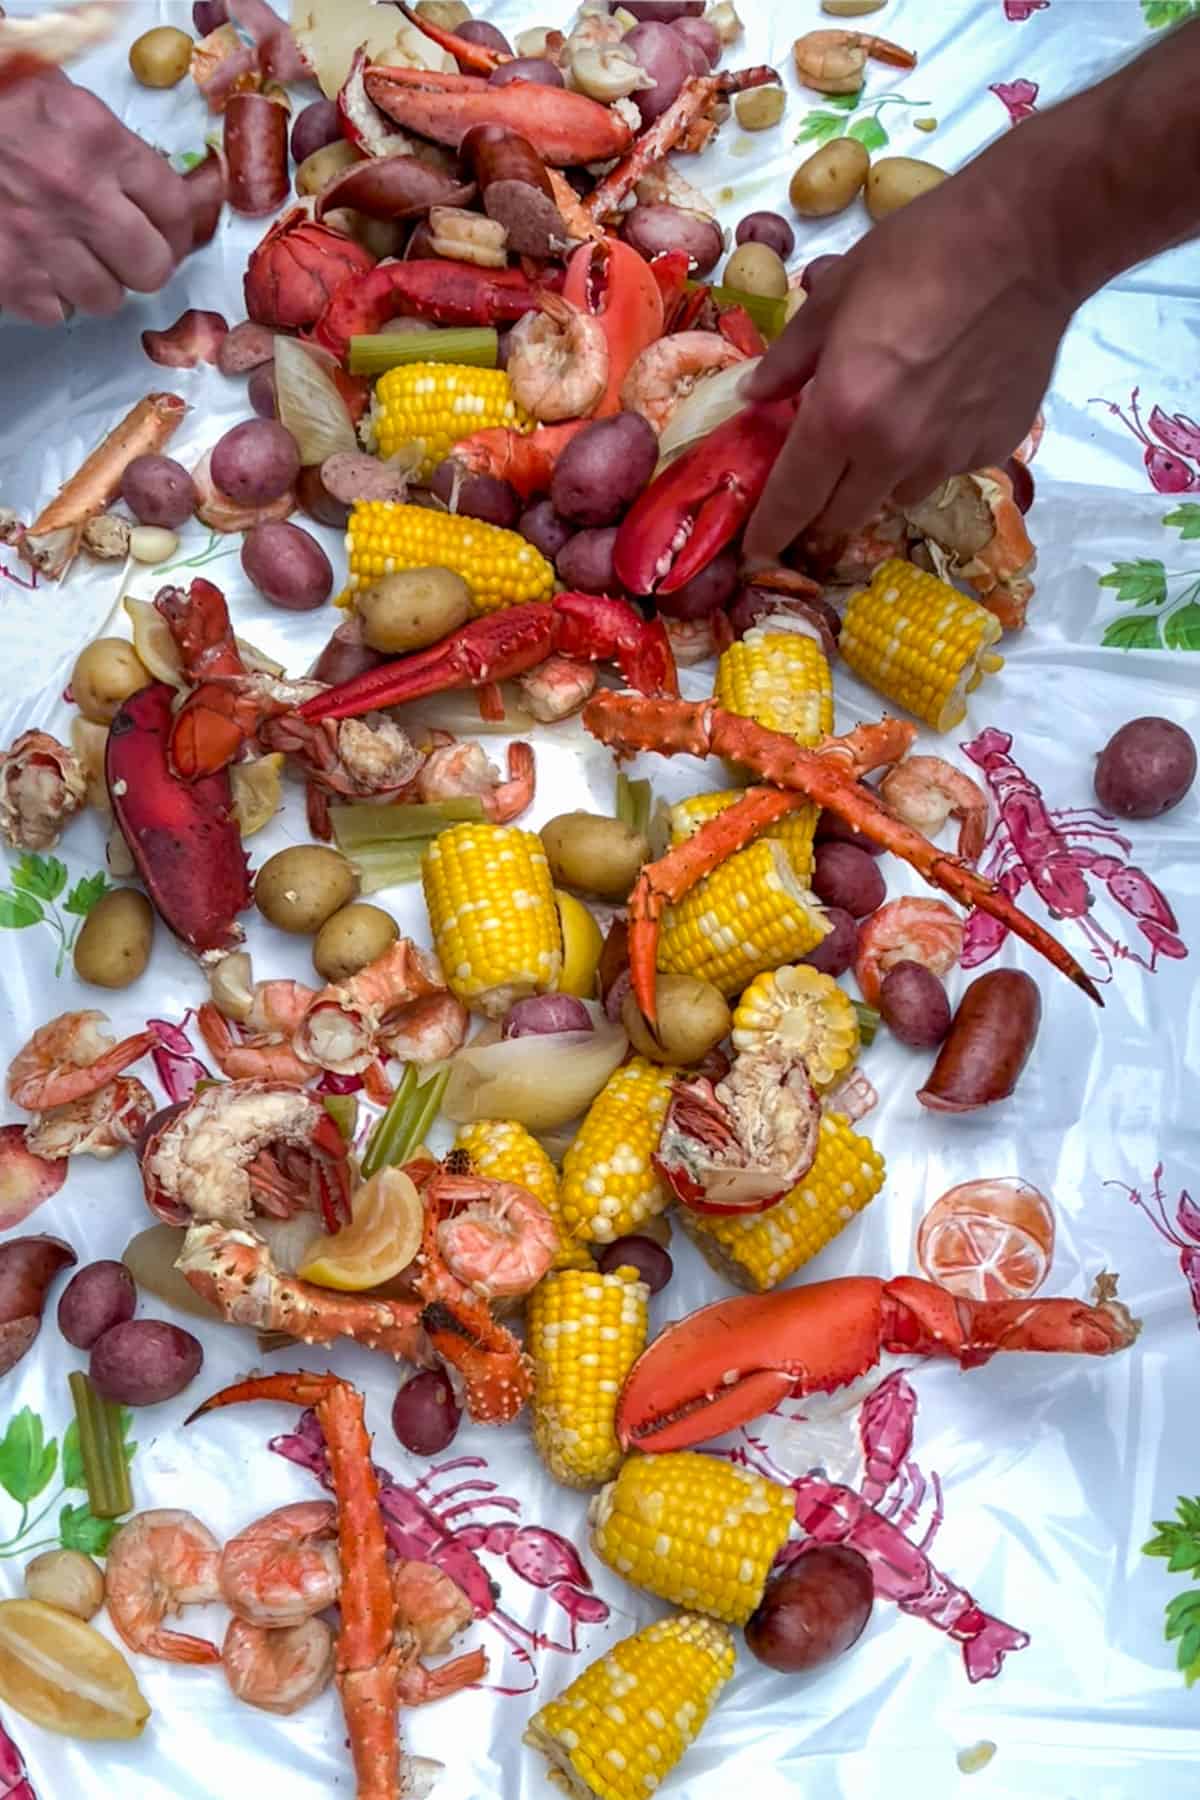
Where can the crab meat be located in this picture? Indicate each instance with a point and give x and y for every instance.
(100, 1124)
(740, 1144)
(42, 785)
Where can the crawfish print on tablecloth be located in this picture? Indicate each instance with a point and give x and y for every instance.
(446, 1525)
(1017, 11)
(1055, 851)
(1184, 1234)
(875, 1520)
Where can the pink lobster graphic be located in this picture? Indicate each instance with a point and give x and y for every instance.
(1019, 98)
(831, 1513)
(422, 1523)
(13, 1773)
(1186, 1238)
(1017, 11)
(1169, 462)
(1030, 845)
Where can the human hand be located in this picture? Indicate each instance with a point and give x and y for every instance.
(926, 350)
(87, 209)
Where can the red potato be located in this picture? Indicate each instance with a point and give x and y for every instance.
(425, 1414)
(260, 391)
(652, 1262)
(701, 33)
(255, 462)
(655, 230)
(1145, 769)
(706, 592)
(317, 124)
(541, 526)
(913, 1005)
(665, 10)
(144, 1361)
(256, 154)
(585, 562)
(527, 68)
(27, 1267)
(604, 469)
(990, 1038)
(158, 491)
(665, 57)
(26, 1180)
(287, 566)
(483, 497)
(833, 830)
(837, 950)
(96, 1298)
(769, 228)
(847, 877)
(478, 31)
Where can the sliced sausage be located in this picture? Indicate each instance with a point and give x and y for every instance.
(988, 1045)
(256, 154)
(516, 190)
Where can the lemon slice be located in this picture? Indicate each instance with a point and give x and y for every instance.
(61, 1674)
(582, 944)
(257, 792)
(383, 1236)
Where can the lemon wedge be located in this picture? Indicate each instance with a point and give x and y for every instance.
(383, 1236)
(582, 944)
(61, 1674)
(257, 792)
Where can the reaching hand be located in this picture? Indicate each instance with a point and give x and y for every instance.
(926, 349)
(87, 209)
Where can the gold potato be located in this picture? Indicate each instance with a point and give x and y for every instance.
(758, 108)
(299, 889)
(351, 939)
(692, 1020)
(106, 672)
(113, 947)
(895, 180)
(161, 57)
(827, 181)
(319, 169)
(449, 14)
(756, 269)
(598, 855)
(412, 608)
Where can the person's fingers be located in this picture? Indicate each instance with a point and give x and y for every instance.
(137, 254)
(858, 496)
(36, 303)
(798, 488)
(919, 486)
(162, 195)
(81, 280)
(791, 359)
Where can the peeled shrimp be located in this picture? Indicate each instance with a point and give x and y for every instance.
(495, 1238)
(160, 1562)
(428, 1031)
(283, 1568)
(459, 769)
(558, 361)
(278, 1671)
(430, 1604)
(345, 1022)
(832, 62)
(666, 372)
(556, 688)
(925, 791)
(265, 1054)
(908, 930)
(69, 1058)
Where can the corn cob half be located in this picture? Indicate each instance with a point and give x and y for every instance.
(625, 1722)
(796, 830)
(609, 1187)
(433, 405)
(919, 642)
(692, 1529)
(780, 679)
(492, 910)
(502, 1150)
(584, 1333)
(760, 1251)
(753, 912)
(803, 1011)
(499, 567)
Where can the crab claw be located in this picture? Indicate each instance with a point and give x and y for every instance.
(598, 628)
(701, 502)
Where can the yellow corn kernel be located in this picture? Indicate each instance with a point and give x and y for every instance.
(609, 1187)
(502, 1150)
(796, 830)
(433, 405)
(752, 913)
(584, 1333)
(800, 1010)
(780, 679)
(491, 907)
(500, 567)
(919, 642)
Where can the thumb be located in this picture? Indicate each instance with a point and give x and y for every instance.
(790, 361)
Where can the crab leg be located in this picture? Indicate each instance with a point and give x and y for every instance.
(700, 728)
(368, 1659)
(480, 59)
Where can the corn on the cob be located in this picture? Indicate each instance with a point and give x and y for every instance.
(694, 1530)
(609, 1187)
(491, 907)
(801, 1010)
(760, 1251)
(919, 642)
(752, 913)
(502, 1150)
(433, 405)
(780, 679)
(499, 567)
(796, 830)
(623, 1724)
(584, 1332)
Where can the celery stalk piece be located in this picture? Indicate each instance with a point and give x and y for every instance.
(475, 346)
(394, 1124)
(868, 1022)
(343, 1110)
(380, 866)
(634, 802)
(770, 315)
(429, 1104)
(101, 1446)
(357, 825)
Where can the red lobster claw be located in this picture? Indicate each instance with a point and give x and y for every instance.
(701, 502)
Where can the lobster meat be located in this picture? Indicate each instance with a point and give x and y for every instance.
(729, 1362)
(295, 271)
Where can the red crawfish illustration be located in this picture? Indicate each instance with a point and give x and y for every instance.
(1016, 11)
(1019, 98)
(1184, 1234)
(439, 1524)
(875, 1520)
(1033, 846)
(1169, 461)
(14, 1778)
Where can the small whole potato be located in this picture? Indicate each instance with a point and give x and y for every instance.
(160, 58)
(287, 565)
(158, 491)
(692, 1019)
(756, 269)
(412, 608)
(144, 1361)
(255, 462)
(758, 108)
(895, 180)
(595, 854)
(351, 939)
(604, 469)
(914, 1006)
(113, 948)
(1145, 769)
(68, 1580)
(106, 672)
(320, 166)
(96, 1298)
(827, 181)
(299, 889)
(449, 14)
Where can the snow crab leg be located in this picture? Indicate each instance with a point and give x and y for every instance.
(826, 775)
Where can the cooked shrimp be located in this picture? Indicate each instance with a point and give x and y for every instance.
(852, 558)
(430, 1604)
(666, 372)
(98, 1125)
(693, 641)
(495, 1237)
(284, 1567)
(278, 1671)
(419, 1685)
(925, 791)
(345, 1023)
(160, 1562)
(558, 360)
(428, 1031)
(464, 769)
(69, 1058)
(832, 62)
(556, 688)
(907, 930)
(263, 1050)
